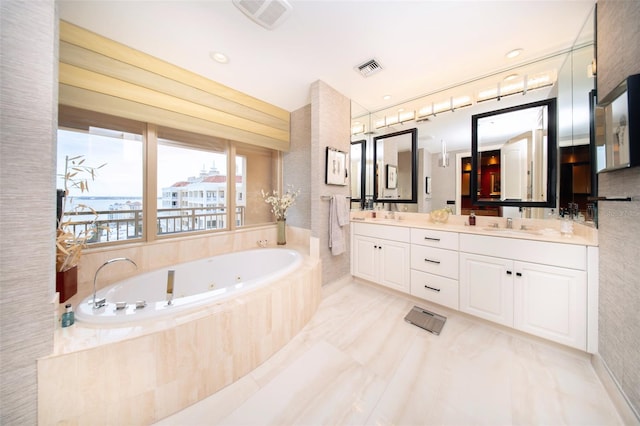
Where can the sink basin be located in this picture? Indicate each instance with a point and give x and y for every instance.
(506, 231)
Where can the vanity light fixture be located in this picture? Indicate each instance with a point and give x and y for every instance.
(460, 102)
(425, 111)
(406, 116)
(392, 119)
(357, 128)
(523, 86)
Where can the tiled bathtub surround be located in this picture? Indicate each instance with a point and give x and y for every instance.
(141, 373)
(145, 375)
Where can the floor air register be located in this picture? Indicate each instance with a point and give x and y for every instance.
(429, 321)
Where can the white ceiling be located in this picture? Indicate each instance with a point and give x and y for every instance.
(423, 46)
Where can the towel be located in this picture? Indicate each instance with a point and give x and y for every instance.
(338, 218)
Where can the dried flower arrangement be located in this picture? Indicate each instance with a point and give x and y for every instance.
(69, 244)
(280, 204)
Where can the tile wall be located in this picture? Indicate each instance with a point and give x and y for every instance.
(28, 93)
(618, 51)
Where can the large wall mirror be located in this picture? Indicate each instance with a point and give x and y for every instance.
(445, 116)
(396, 167)
(513, 156)
(357, 159)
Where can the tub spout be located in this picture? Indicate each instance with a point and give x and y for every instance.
(170, 276)
(99, 303)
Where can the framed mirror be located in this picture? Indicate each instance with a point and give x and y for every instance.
(514, 156)
(357, 166)
(396, 167)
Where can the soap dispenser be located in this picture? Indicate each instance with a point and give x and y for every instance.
(68, 318)
(472, 219)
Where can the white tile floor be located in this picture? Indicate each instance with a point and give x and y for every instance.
(357, 362)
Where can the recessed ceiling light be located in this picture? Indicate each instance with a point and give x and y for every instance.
(512, 54)
(510, 77)
(386, 97)
(219, 57)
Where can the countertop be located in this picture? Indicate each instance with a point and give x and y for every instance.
(534, 229)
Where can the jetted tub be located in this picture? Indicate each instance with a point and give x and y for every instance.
(196, 283)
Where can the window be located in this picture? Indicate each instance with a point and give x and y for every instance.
(192, 192)
(255, 172)
(115, 194)
(194, 178)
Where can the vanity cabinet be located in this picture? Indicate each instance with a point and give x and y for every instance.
(381, 254)
(486, 287)
(546, 298)
(547, 289)
(551, 302)
(434, 266)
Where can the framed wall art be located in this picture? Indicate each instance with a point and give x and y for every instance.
(392, 176)
(336, 167)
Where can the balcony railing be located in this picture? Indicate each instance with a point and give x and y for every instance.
(118, 225)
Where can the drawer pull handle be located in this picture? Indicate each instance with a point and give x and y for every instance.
(437, 262)
(518, 274)
(509, 272)
(432, 239)
(432, 288)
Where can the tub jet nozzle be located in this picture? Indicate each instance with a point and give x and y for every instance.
(170, 275)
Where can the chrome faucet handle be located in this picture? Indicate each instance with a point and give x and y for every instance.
(98, 303)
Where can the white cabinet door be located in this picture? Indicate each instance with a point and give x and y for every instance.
(394, 265)
(551, 302)
(381, 261)
(486, 287)
(365, 253)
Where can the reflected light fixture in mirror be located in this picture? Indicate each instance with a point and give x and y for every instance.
(443, 158)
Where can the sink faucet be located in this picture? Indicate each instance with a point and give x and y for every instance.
(99, 303)
(509, 223)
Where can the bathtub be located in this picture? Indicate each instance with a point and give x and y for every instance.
(196, 283)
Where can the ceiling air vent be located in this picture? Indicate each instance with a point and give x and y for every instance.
(268, 13)
(369, 68)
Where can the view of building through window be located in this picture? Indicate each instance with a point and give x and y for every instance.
(195, 200)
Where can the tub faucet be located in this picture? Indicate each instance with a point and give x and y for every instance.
(170, 276)
(99, 303)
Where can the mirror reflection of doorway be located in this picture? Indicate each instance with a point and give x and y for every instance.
(489, 184)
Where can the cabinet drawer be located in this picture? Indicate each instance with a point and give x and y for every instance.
(543, 252)
(434, 288)
(431, 238)
(387, 232)
(435, 261)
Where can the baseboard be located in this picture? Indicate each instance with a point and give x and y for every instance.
(628, 414)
